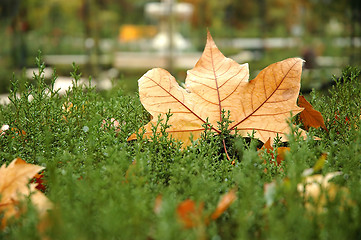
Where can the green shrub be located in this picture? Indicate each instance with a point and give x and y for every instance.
(104, 187)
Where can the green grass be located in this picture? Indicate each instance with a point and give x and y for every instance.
(99, 194)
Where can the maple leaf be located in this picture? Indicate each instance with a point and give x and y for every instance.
(14, 188)
(309, 116)
(217, 83)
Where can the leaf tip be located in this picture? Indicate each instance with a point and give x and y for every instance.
(299, 61)
(208, 33)
(209, 37)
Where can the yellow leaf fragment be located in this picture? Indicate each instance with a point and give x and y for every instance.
(320, 190)
(224, 203)
(15, 187)
(312, 185)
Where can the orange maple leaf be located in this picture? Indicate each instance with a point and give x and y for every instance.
(309, 116)
(217, 83)
(14, 188)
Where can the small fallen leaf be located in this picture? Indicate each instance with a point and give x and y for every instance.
(158, 204)
(190, 214)
(224, 204)
(320, 162)
(317, 167)
(312, 185)
(261, 106)
(316, 187)
(14, 188)
(266, 146)
(281, 152)
(321, 191)
(309, 116)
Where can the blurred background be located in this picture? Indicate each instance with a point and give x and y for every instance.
(117, 41)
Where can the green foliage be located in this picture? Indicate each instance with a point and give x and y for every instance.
(341, 109)
(104, 187)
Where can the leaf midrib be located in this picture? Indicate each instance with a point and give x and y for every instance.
(181, 103)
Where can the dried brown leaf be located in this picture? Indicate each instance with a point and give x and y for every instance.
(281, 152)
(217, 83)
(309, 116)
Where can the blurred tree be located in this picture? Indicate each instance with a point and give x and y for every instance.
(8, 9)
(89, 9)
(52, 22)
(15, 14)
(355, 6)
(202, 13)
(240, 13)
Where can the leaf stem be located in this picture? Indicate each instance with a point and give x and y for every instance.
(225, 150)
